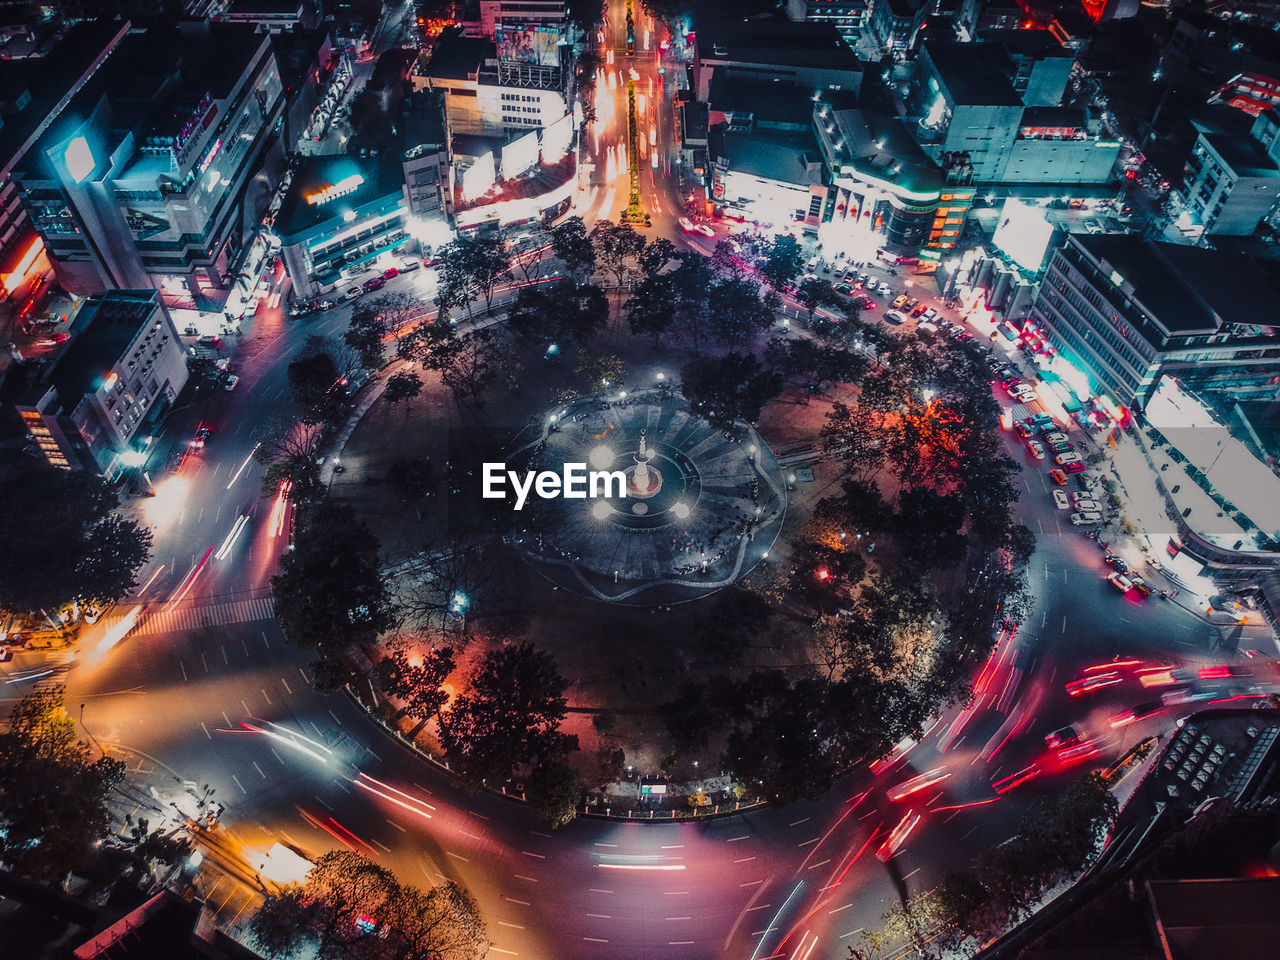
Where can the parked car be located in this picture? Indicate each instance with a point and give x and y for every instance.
(1022, 431)
(1120, 582)
(1076, 467)
(410, 266)
(894, 317)
(1055, 436)
(1036, 448)
(883, 288)
(1090, 506)
(900, 301)
(375, 283)
(1069, 457)
(1058, 477)
(231, 382)
(926, 328)
(1082, 519)
(1062, 447)
(1060, 500)
(930, 314)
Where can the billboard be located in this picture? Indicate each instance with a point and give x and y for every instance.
(528, 43)
(1023, 234)
(556, 140)
(479, 177)
(519, 155)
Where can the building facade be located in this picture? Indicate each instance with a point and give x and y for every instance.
(110, 390)
(1231, 182)
(1126, 311)
(149, 179)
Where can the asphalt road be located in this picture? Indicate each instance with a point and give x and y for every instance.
(206, 691)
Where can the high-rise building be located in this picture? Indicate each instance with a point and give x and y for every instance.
(109, 389)
(149, 176)
(1126, 311)
(1231, 181)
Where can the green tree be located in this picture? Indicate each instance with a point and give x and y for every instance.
(693, 279)
(60, 541)
(617, 246)
(364, 335)
(418, 685)
(735, 312)
(510, 714)
(470, 267)
(602, 370)
(319, 389)
(783, 260)
(560, 312)
(651, 310)
(814, 293)
(573, 247)
(329, 593)
(291, 454)
(468, 363)
(402, 386)
(554, 792)
(729, 388)
(53, 798)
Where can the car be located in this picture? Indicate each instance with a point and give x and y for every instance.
(1054, 436)
(1076, 467)
(844, 289)
(1036, 448)
(409, 267)
(1062, 447)
(926, 328)
(1140, 585)
(1116, 562)
(894, 317)
(351, 293)
(1010, 382)
(862, 279)
(1069, 457)
(1062, 738)
(911, 303)
(1022, 431)
(813, 263)
(390, 273)
(1040, 419)
(1023, 394)
(702, 228)
(1058, 477)
(867, 303)
(54, 340)
(231, 382)
(686, 224)
(1093, 683)
(1060, 500)
(1085, 519)
(930, 314)
(900, 301)
(375, 283)
(1088, 481)
(1089, 506)
(883, 288)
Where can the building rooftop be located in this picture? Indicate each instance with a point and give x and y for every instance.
(776, 41)
(107, 326)
(972, 76)
(788, 158)
(768, 101)
(1188, 289)
(48, 80)
(354, 181)
(264, 7)
(1073, 117)
(1243, 154)
(456, 57)
(881, 146)
(422, 120)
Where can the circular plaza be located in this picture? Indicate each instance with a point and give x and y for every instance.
(683, 507)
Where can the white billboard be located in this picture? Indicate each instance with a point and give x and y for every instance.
(479, 177)
(556, 140)
(520, 155)
(1023, 234)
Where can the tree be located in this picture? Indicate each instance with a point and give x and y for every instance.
(602, 370)
(53, 798)
(616, 245)
(692, 278)
(559, 312)
(510, 714)
(329, 593)
(656, 255)
(652, 306)
(470, 268)
(814, 293)
(163, 847)
(554, 792)
(735, 311)
(60, 542)
(418, 685)
(411, 481)
(813, 363)
(402, 386)
(729, 388)
(782, 262)
(291, 453)
(318, 389)
(281, 927)
(573, 247)
(468, 363)
(364, 335)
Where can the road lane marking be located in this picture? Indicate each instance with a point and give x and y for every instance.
(204, 661)
(600, 916)
(277, 756)
(594, 940)
(321, 800)
(285, 683)
(851, 933)
(384, 849)
(798, 822)
(225, 658)
(838, 909)
(268, 642)
(513, 926)
(751, 884)
(675, 893)
(679, 943)
(807, 842)
(819, 864)
(677, 918)
(606, 844)
(259, 769)
(266, 696)
(911, 874)
(456, 856)
(673, 846)
(744, 860)
(546, 836)
(471, 835)
(528, 854)
(206, 730)
(239, 784)
(736, 839)
(523, 903)
(521, 876)
(335, 718)
(509, 953)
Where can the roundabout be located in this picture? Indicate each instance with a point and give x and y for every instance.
(701, 507)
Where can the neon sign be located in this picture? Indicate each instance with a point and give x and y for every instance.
(334, 190)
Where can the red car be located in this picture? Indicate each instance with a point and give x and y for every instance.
(376, 283)
(390, 273)
(1076, 467)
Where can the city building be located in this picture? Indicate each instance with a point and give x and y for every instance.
(894, 24)
(806, 55)
(536, 13)
(272, 16)
(33, 94)
(1039, 67)
(997, 106)
(424, 157)
(1231, 182)
(149, 176)
(770, 178)
(849, 17)
(111, 388)
(884, 191)
(340, 215)
(1122, 312)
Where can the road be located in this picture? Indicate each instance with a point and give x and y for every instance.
(205, 691)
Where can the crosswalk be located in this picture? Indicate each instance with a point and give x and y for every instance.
(195, 616)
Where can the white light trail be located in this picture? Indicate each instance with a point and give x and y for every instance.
(236, 476)
(232, 537)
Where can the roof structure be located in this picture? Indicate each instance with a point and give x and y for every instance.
(108, 326)
(786, 158)
(1243, 154)
(971, 75)
(776, 41)
(456, 57)
(353, 182)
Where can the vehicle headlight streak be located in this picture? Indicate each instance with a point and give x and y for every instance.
(230, 541)
(385, 791)
(289, 738)
(236, 476)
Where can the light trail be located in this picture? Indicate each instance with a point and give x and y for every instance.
(640, 866)
(185, 587)
(287, 741)
(776, 917)
(236, 476)
(230, 541)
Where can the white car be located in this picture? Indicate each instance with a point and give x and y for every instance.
(1060, 500)
(894, 317)
(686, 224)
(883, 288)
(1081, 519)
(1088, 506)
(1037, 450)
(1064, 458)
(703, 229)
